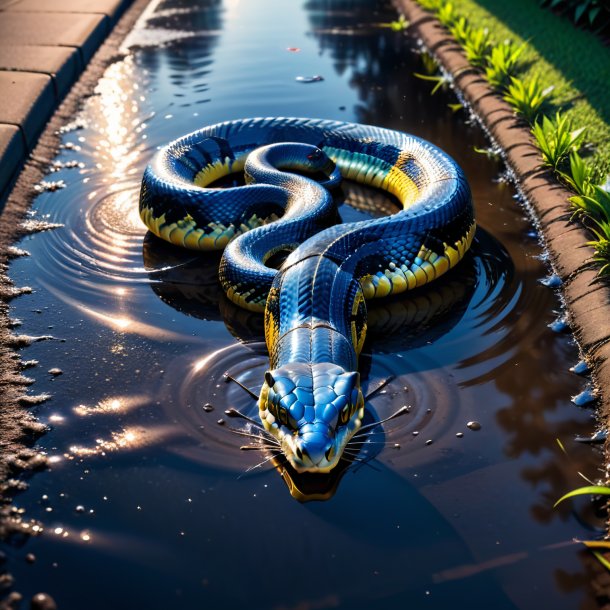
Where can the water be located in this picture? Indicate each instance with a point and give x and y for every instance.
(150, 502)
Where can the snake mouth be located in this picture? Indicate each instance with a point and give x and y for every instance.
(316, 448)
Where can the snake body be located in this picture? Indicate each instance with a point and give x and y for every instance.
(315, 311)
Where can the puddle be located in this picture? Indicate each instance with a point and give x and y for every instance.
(149, 502)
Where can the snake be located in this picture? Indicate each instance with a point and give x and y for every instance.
(311, 400)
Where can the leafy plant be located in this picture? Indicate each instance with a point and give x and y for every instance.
(602, 251)
(460, 30)
(440, 80)
(477, 46)
(580, 178)
(429, 63)
(596, 12)
(596, 205)
(446, 14)
(398, 25)
(430, 5)
(556, 139)
(526, 97)
(598, 490)
(501, 63)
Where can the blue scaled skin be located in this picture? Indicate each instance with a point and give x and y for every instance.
(315, 304)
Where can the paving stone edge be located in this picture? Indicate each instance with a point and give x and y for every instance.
(18, 427)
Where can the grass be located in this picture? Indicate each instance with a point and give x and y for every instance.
(518, 68)
(575, 63)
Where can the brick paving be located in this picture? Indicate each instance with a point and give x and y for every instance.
(44, 47)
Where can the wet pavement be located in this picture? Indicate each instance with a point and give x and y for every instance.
(44, 47)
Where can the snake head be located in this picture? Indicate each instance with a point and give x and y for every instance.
(313, 411)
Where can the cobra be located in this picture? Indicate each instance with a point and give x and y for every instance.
(311, 400)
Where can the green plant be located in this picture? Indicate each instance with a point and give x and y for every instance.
(501, 63)
(430, 5)
(591, 9)
(526, 97)
(445, 13)
(596, 205)
(597, 490)
(440, 80)
(429, 63)
(580, 179)
(460, 30)
(477, 46)
(602, 251)
(556, 139)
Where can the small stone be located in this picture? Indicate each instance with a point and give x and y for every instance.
(474, 425)
(55, 372)
(30, 558)
(43, 601)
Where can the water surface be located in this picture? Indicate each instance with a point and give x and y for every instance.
(149, 502)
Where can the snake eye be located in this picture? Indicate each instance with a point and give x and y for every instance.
(269, 380)
(282, 415)
(344, 416)
(330, 453)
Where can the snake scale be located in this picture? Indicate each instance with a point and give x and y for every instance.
(314, 305)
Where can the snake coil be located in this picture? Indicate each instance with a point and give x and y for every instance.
(314, 306)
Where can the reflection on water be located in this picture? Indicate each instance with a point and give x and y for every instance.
(149, 484)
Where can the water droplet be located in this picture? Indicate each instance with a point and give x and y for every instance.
(221, 422)
(415, 432)
(309, 79)
(582, 368)
(208, 407)
(43, 601)
(474, 425)
(55, 372)
(597, 437)
(30, 558)
(459, 434)
(293, 49)
(551, 281)
(559, 325)
(429, 441)
(586, 397)
(80, 509)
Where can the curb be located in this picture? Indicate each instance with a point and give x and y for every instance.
(44, 47)
(587, 298)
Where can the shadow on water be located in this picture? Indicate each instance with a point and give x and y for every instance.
(150, 501)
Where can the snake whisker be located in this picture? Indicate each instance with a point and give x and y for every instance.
(361, 462)
(233, 412)
(265, 461)
(383, 383)
(401, 411)
(260, 447)
(268, 439)
(241, 385)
